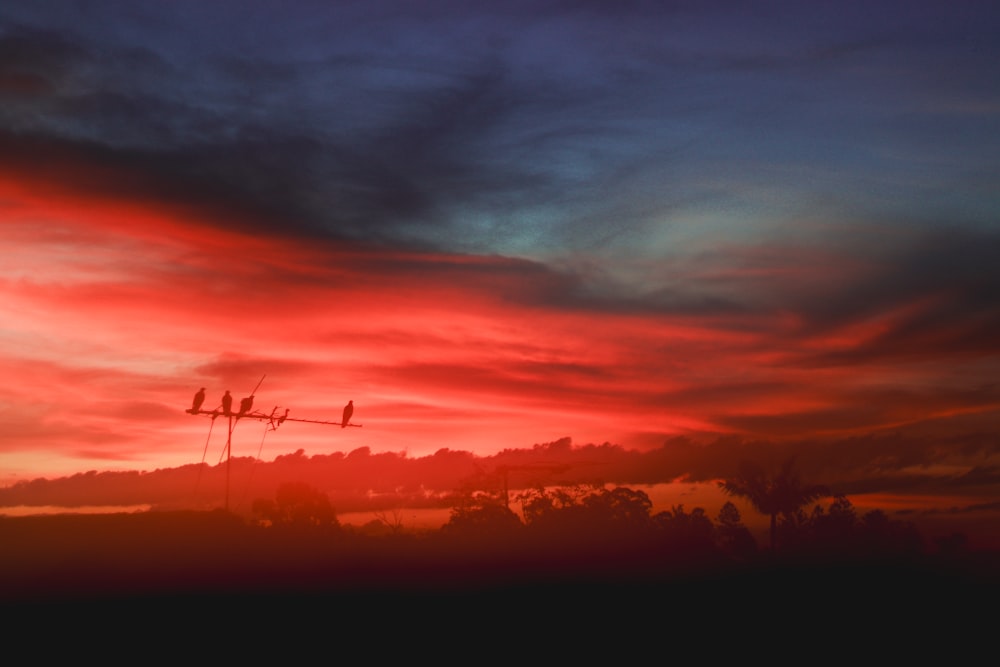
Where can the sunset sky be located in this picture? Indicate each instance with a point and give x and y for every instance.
(493, 225)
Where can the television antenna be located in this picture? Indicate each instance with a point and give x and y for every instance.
(246, 411)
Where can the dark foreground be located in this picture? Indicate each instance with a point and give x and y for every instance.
(212, 567)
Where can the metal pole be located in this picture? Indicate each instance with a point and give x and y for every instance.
(229, 458)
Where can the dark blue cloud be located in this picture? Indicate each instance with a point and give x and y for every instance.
(636, 130)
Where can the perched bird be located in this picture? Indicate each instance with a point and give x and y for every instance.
(227, 404)
(277, 421)
(199, 398)
(246, 404)
(348, 411)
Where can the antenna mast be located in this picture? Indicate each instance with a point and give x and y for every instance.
(274, 421)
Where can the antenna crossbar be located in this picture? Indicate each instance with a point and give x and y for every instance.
(260, 416)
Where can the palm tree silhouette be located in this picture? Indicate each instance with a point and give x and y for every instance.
(783, 493)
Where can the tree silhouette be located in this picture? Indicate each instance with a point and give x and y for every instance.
(782, 494)
(688, 533)
(734, 537)
(619, 507)
(481, 514)
(297, 505)
(391, 519)
(587, 510)
(838, 532)
(543, 507)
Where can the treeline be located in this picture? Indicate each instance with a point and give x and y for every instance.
(591, 533)
(569, 537)
(572, 517)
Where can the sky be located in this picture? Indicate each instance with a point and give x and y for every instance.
(494, 225)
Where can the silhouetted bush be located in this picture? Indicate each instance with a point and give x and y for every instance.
(488, 520)
(297, 505)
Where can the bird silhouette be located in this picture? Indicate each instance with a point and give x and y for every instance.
(246, 404)
(199, 398)
(227, 404)
(348, 411)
